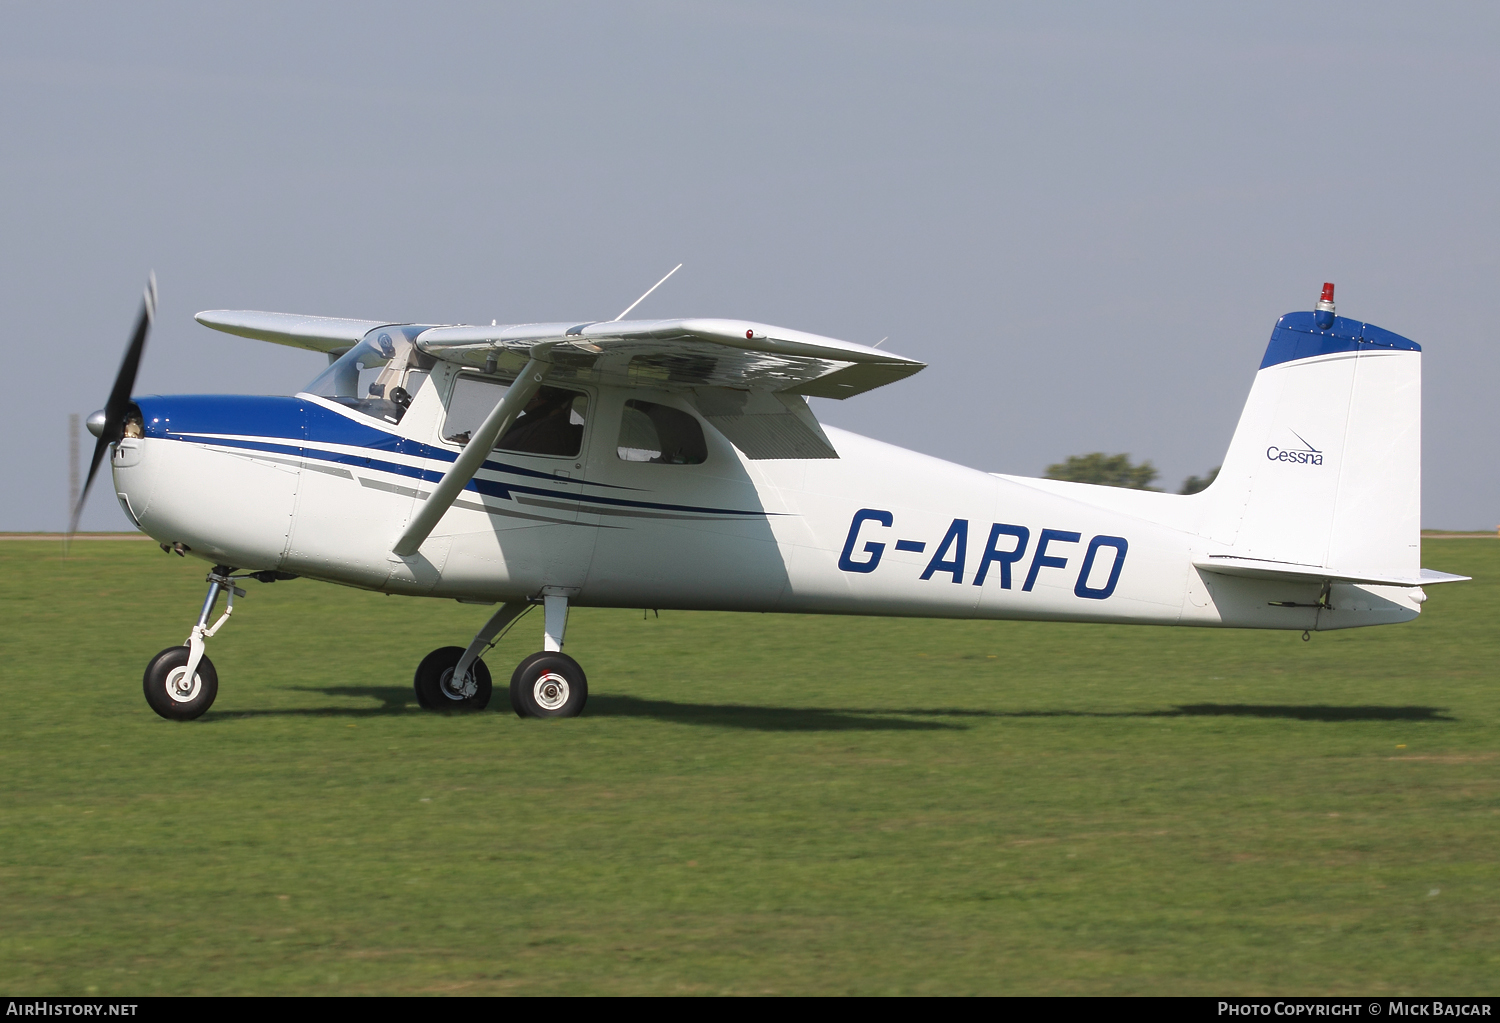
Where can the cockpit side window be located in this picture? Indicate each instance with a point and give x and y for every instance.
(659, 433)
(377, 377)
(551, 424)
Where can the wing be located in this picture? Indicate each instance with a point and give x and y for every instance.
(679, 355)
(668, 354)
(746, 378)
(315, 333)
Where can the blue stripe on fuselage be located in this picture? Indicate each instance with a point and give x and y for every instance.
(292, 419)
(197, 418)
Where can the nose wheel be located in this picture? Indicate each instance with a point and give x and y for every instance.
(175, 694)
(180, 681)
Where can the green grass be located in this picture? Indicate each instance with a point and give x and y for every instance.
(751, 803)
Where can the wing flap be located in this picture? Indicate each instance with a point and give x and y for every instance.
(765, 425)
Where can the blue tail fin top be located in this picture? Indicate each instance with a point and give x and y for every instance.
(1297, 336)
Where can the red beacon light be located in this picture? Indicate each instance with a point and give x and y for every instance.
(1324, 315)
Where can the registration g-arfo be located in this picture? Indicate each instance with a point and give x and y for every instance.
(676, 464)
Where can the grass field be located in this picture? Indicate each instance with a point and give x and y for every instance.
(750, 804)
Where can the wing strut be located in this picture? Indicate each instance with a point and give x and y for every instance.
(481, 443)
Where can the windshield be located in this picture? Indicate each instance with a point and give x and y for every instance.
(378, 376)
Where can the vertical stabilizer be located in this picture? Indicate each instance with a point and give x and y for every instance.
(1325, 468)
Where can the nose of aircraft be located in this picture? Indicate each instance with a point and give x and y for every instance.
(95, 423)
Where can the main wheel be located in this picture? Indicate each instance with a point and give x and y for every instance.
(548, 685)
(171, 693)
(437, 690)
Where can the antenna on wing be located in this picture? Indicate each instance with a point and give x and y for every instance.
(648, 291)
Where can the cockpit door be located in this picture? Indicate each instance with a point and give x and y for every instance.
(523, 508)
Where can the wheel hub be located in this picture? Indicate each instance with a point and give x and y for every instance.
(461, 691)
(550, 691)
(182, 689)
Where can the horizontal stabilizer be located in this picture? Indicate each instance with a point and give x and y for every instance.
(1431, 578)
(315, 333)
(1256, 569)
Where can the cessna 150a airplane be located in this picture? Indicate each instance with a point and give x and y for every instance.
(676, 464)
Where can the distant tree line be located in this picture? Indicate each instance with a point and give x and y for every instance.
(1119, 471)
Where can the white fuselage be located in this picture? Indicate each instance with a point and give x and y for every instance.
(306, 486)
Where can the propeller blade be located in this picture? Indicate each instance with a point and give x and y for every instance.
(118, 404)
(119, 395)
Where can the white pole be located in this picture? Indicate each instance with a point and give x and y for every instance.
(72, 463)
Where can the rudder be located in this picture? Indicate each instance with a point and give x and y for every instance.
(1325, 466)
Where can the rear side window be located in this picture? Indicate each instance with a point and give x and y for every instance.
(658, 433)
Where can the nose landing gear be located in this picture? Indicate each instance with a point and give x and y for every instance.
(548, 684)
(180, 682)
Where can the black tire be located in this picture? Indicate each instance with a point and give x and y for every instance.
(548, 685)
(416, 681)
(433, 682)
(168, 700)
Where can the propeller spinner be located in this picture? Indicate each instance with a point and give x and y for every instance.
(108, 424)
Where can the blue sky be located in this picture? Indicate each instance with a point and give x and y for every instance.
(1086, 217)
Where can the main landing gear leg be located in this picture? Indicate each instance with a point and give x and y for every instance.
(454, 678)
(180, 682)
(550, 684)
